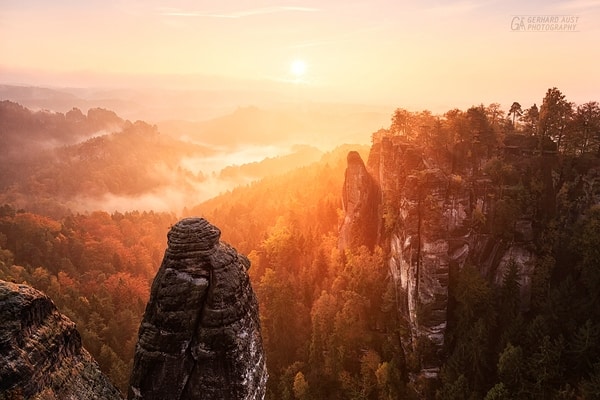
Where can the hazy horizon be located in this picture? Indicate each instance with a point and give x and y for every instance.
(318, 73)
(427, 55)
(416, 227)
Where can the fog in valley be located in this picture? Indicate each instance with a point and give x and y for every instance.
(390, 199)
(188, 160)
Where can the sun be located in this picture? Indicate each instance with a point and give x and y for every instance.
(298, 68)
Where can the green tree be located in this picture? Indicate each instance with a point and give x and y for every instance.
(300, 387)
(457, 125)
(473, 322)
(545, 367)
(351, 333)
(508, 306)
(403, 123)
(512, 369)
(457, 389)
(389, 381)
(369, 364)
(322, 321)
(510, 297)
(481, 129)
(286, 382)
(493, 113)
(498, 392)
(516, 111)
(283, 331)
(502, 173)
(586, 128)
(555, 115)
(584, 346)
(585, 243)
(506, 212)
(530, 118)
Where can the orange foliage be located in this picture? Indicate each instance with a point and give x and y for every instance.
(124, 288)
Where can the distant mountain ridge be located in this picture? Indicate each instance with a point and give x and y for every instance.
(23, 130)
(320, 124)
(53, 162)
(165, 106)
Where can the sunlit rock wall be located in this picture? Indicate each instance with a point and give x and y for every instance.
(424, 211)
(360, 199)
(427, 226)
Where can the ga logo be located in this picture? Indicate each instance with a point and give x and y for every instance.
(517, 24)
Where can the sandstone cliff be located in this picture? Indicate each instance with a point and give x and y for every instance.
(41, 356)
(200, 335)
(360, 199)
(426, 219)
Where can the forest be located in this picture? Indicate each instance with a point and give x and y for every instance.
(329, 317)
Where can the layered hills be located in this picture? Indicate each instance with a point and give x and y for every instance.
(55, 163)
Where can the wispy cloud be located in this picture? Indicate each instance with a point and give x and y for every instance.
(455, 8)
(579, 5)
(239, 14)
(315, 43)
(336, 39)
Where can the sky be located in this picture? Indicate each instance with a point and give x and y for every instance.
(429, 54)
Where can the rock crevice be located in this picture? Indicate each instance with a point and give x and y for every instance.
(420, 209)
(200, 336)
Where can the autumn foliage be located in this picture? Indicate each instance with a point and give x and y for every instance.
(330, 321)
(97, 268)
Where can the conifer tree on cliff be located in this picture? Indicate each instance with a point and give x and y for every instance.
(555, 114)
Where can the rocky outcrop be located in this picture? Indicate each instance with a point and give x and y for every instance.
(360, 199)
(434, 233)
(41, 356)
(427, 227)
(200, 335)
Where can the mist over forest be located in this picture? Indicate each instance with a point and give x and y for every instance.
(88, 196)
(308, 200)
(105, 161)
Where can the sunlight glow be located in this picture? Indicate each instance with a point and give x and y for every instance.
(298, 68)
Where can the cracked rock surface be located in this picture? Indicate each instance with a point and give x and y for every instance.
(41, 356)
(200, 335)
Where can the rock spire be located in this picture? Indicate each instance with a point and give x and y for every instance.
(360, 199)
(200, 335)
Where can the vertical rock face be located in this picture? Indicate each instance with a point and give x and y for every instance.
(41, 356)
(360, 197)
(424, 210)
(425, 216)
(200, 335)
